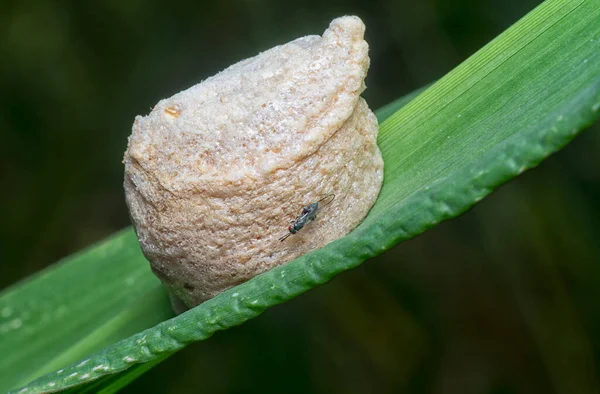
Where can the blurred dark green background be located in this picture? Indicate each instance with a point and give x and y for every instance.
(501, 300)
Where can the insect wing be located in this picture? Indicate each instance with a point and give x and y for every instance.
(328, 199)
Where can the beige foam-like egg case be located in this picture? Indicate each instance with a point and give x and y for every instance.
(214, 174)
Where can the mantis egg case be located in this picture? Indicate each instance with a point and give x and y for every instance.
(214, 174)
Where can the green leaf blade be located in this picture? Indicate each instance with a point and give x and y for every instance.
(77, 307)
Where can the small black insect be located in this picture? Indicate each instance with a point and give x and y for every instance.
(309, 213)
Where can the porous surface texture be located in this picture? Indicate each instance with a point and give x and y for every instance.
(215, 174)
